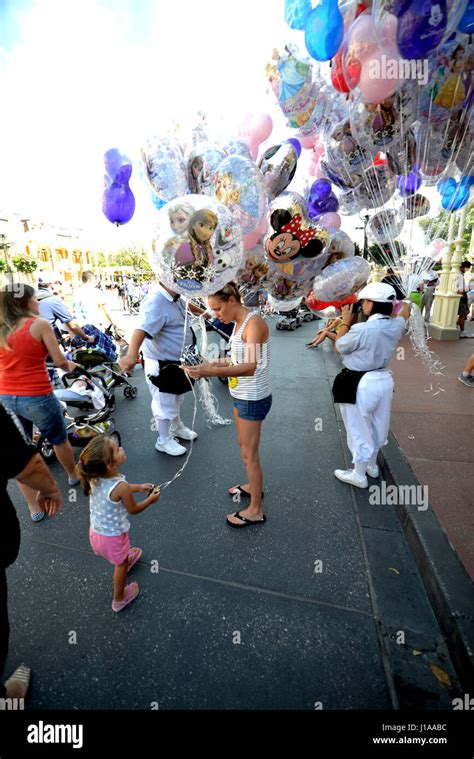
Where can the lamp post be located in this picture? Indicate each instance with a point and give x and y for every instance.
(365, 218)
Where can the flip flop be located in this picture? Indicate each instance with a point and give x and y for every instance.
(22, 676)
(246, 522)
(131, 592)
(238, 489)
(133, 556)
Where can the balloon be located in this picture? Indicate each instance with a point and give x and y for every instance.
(340, 245)
(385, 125)
(320, 190)
(342, 278)
(385, 225)
(239, 185)
(330, 220)
(282, 305)
(237, 147)
(118, 203)
(454, 199)
(307, 141)
(421, 27)
(203, 161)
(409, 183)
(164, 167)
(324, 30)
(292, 235)
(320, 305)
(278, 166)
(449, 72)
(292, 82)
(253, 271)
(254, 129)
(197, 246)
(377, 187)
(377, 81)
(416, 205)
(325, 206)
(337, 74)
(296, 13)
(251, 240)
(296, 144)
(466, 24)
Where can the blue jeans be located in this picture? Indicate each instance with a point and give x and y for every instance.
(253, 411)
(43, 411)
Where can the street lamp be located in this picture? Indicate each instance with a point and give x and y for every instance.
(365, 218)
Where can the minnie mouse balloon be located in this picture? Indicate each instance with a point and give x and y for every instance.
(292, 235)
(197, 247)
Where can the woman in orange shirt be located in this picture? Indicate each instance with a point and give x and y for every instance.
(25, 388)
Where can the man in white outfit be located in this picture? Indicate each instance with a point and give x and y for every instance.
(161, 332)
(364, 388)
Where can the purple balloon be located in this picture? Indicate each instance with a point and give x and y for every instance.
(118, 203)
(296, 144)
(320, 189)
(421, 27)
(410, 183)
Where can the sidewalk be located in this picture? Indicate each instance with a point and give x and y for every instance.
(323, 606)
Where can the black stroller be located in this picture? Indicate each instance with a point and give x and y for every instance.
(95, 400)
(108, 371)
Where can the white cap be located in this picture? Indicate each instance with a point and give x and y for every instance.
(379, 292)
(48, 277)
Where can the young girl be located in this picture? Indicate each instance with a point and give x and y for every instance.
(111, 500)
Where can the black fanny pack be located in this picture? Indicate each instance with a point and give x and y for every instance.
(172, 379)
(344, 389)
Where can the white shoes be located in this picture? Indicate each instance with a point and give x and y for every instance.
(182, 432)
(349, 476)
(373, 471)
(171, 447)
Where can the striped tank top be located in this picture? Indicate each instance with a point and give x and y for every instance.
(250, 388)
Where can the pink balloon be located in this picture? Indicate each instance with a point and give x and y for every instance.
(254, 129)
(375, 81)
(251, 240)
(387, 31)
(319, 174)
(318, 151)
(330, 220)
(307, 141)
(312, 169)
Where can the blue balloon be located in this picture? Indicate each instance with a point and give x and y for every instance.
(324, 31)
(408, 184)
(456, 200)
(157, 202)
(446, 186)
(466, 23)
(296, 144)
(296, 13)
(421, 27)
(320, 189)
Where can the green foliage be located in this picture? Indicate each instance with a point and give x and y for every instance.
(132, 256)
(24, 264)
(383, 255)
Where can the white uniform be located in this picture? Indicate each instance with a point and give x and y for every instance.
(369, 347)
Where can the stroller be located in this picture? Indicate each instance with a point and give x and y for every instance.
(82, 393)
(107, 371)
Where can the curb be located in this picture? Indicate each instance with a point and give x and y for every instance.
(449, 588)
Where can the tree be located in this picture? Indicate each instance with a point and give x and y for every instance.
(438, 227)
(384, 254)
(135, 257)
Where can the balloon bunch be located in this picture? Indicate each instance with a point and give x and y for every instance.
(455, 195)
(118, 201)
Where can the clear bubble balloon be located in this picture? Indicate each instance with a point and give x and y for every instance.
(197, 246)
(202, 164)
(164, 167)
(278, 167)
(341, 278)
(386, 225)
(239, 185)
(292, 235)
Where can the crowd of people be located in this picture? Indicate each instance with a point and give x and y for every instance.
(29, 322)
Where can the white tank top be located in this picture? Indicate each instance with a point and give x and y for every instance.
(108, 517)
(250, 388)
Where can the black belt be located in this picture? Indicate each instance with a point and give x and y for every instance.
(344, 389)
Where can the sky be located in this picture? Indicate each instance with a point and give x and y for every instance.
(78, 78)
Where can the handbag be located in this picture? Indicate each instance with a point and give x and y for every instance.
(344, 389)
(172, 379)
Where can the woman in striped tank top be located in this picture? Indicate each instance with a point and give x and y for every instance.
(248, 371)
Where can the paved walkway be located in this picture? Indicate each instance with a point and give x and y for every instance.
(323, 605)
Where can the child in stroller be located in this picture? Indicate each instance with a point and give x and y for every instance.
(83, 393)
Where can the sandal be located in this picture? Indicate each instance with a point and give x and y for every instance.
(133, 556)
(131, 592)
(21, 676)
(38, 516)
(245, 522)
(238, 489)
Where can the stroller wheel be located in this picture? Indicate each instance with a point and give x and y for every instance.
(116, 436)
(130, 392)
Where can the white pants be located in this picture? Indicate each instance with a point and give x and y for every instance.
(164, 406)
(367, 421)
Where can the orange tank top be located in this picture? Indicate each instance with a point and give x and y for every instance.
(23, 369)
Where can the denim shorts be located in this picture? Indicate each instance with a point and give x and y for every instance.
(43, 411)
(253, 411)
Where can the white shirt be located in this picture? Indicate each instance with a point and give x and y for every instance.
(370, 345)
(461, 283)
(87, 306)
